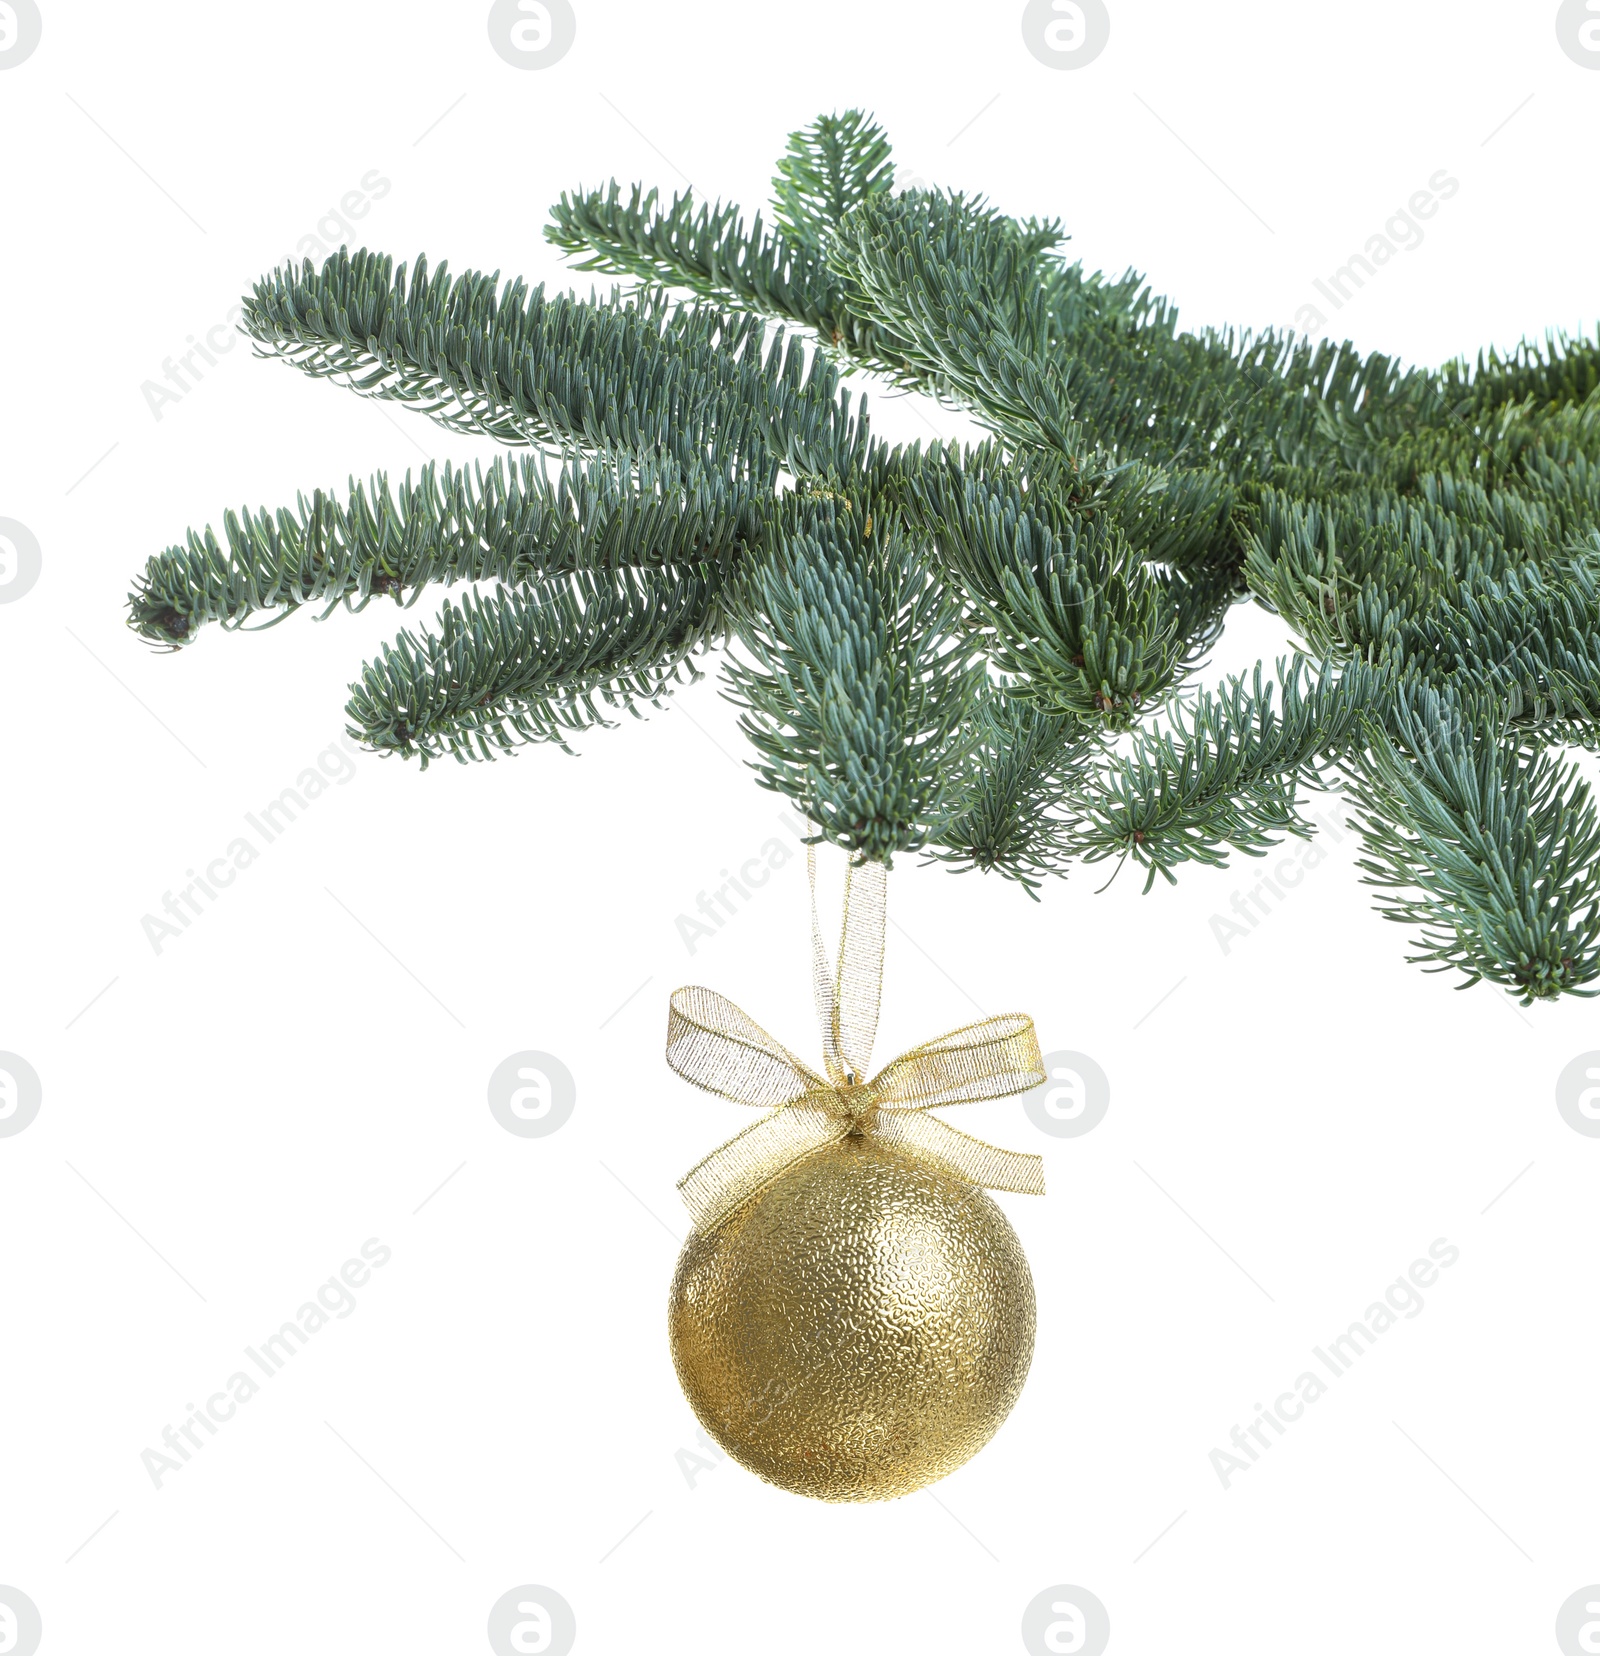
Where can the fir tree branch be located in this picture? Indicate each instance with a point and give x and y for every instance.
(644, 377)
(1199, 600)
(1223, 770)
(707, 249)
(957, 285)
(510, 522)
(1072, 617)
(1438, 597)
(830, 168)
(1003, 818)
(936, 644)
(1492, 853)
(858, 680)
(1543, 376)
(536, 665)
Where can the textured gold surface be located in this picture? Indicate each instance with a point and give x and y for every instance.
(858, 1328)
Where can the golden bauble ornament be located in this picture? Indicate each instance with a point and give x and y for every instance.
(858, 1328)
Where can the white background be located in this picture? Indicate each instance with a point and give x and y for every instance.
(1291, 1123)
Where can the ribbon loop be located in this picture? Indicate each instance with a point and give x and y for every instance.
(990, 1059)
(723, 1050)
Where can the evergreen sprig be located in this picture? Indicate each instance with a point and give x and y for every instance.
(1222, 769)
(1489, 852)
(858, 680)
(535, 664)
(980, 653)
(508, 522)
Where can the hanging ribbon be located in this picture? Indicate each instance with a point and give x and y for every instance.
(716, 1046)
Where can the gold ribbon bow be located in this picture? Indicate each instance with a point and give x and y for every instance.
(716, 1046)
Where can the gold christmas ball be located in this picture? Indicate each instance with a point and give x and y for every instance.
(858, 1328)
